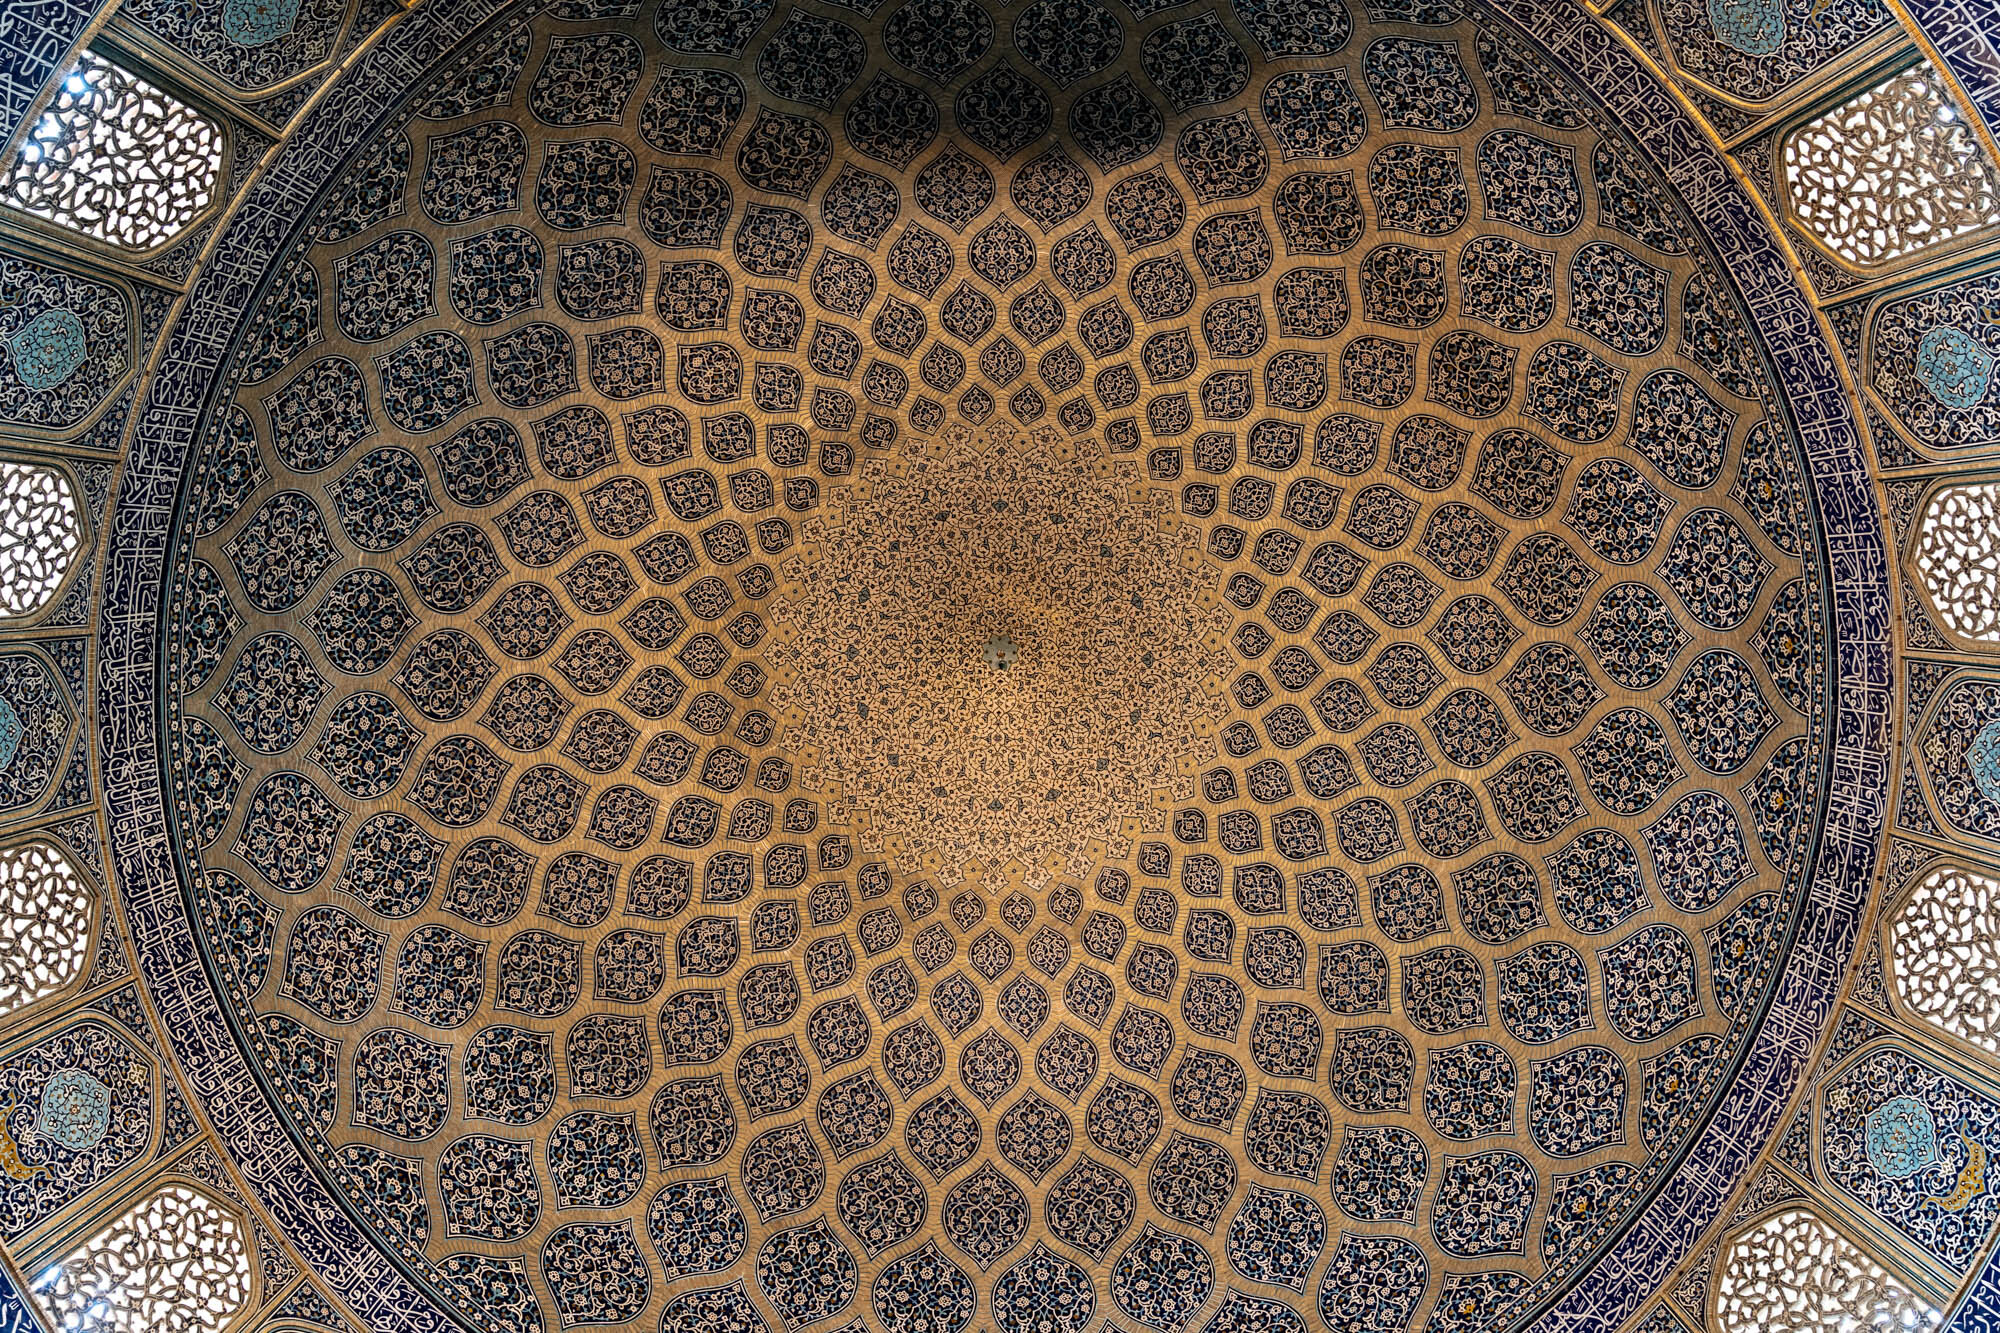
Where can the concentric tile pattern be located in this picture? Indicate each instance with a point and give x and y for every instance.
(651, 903)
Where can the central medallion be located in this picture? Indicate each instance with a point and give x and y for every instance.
(964, 742)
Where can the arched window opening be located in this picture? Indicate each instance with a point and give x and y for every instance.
(41, 532)
(1891, 171)
(1792, 1273)
(1958, 555)
(116, 159)
(1944, 945)
(45, 908)
(175, 1262)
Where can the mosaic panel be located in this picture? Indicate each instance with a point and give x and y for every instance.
(252, 46)
(1756, 49)
(1932, 364)
(69, 344)
(1909, 1143)
(79, 1108)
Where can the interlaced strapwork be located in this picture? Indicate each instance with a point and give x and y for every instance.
(1946, 942)
(1958, 554)
(116, 159)
(175, 1262)
(40, 532)
(44, 924)
(1891, 171)
(1792, 1273)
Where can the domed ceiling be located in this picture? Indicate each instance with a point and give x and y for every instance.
(996, 666)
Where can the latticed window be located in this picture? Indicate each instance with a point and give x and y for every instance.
(40, 534)
(44, 923)
(175, 1262)
(1958, 554)
(1891, 171)
(1945, 946)
(1792, 1273)
(117, 159)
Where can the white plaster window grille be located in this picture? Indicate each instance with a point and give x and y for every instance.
(1944, 945)
(41, 532)
(45, 907)
(1792, 1273)
(116, 159)
(1891, 171)
(175, 1262)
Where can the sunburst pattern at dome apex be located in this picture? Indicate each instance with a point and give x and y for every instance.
(632, 863)
(1084, 586)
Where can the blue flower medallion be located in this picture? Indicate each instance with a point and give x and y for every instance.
(1902, 1137)
(48, 349)
(1982, 757)
(76, 1110)
(10, 733)
(1754, 27)
(1954, 367)
(258, 22)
